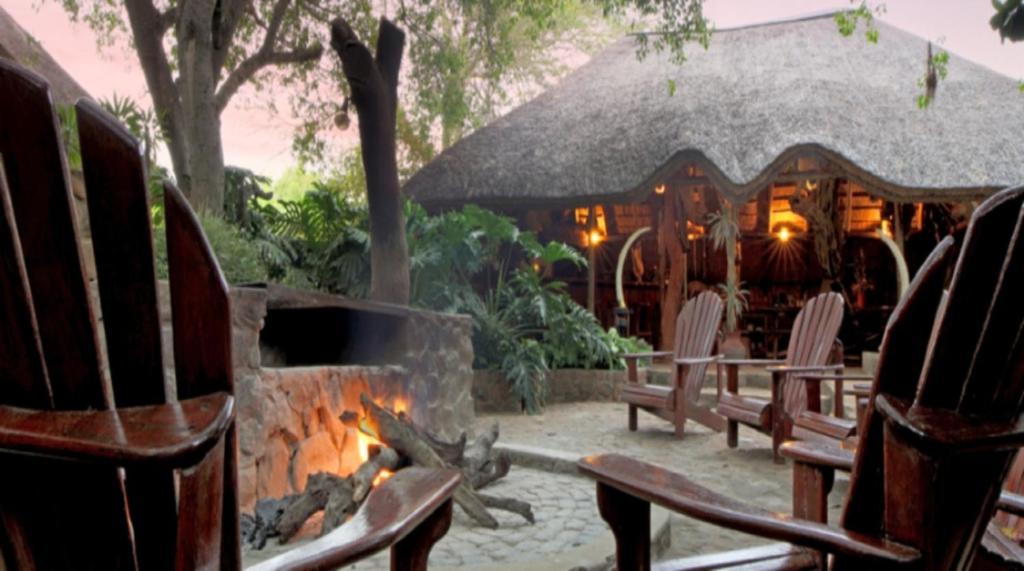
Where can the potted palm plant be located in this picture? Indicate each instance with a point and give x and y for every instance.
(724, 231)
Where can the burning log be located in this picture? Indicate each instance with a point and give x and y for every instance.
(363, 478)
(403, 437)
(398, 432)
(337, 497)
(319, 489)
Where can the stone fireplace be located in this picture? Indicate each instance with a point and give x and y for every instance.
(303, 358)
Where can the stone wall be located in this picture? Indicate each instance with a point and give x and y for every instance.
(491, 390)
(439, 359)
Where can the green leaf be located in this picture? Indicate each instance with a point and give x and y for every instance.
(671, 87)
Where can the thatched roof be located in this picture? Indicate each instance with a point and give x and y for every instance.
(18, 45)
(756, 98)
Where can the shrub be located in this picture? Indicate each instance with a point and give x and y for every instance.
(238, 259)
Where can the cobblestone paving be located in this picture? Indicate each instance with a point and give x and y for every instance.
(746, 473)
(563, 506)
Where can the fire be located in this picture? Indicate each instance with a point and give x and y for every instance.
(382, 476)
(364, 441)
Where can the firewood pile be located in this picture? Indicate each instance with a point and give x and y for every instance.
(401, 444)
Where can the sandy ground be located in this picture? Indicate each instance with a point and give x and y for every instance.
(746, 473)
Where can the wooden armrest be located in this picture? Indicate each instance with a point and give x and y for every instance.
(173, 435)
(1010, 502)
(391, 511)
(678, 493)
(784, 369)
(946, 432)
(647, 355)
(695, 360)
(833, 377)
(858, 390)
(818, 454)
(752, 362)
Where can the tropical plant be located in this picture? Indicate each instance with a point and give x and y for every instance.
(724, 232)
(320, 241)
(469, 261)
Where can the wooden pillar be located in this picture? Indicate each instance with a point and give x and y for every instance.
(591, 260)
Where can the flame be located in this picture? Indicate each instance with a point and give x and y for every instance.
(364, 440)
(382, 476)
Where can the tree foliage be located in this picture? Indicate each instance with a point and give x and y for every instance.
(470, 261)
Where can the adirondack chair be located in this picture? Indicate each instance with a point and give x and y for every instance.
(696, 328)
(815, 465)
(795, 401)
(941, 430)
(92, 449)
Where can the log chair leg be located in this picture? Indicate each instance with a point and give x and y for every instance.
(732, 385)
(412, 552)
(778, 437)
(780, 418)
(679, 414)
(200, 512)
(632, 418)
(630, 521)
(811, 486)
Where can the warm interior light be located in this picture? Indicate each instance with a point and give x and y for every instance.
(660, 189)
(595, 237)
(887, 228)
(784, 234)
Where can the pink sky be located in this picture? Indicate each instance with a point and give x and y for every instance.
(253, 138)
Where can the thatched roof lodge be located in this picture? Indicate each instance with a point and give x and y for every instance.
(770, 114)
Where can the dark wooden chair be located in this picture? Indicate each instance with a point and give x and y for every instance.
(696, 328)
(941, 430)
(795, 400)
(100, 469)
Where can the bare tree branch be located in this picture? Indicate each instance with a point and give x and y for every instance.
(252, 65)
(265, 56)
(229, 14)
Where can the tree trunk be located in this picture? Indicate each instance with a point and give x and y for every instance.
(197, 84)
(374, 86)
(207, 164)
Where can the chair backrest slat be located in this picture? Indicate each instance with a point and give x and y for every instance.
(991, 386)
(901, 356)
(811, 343)
(978, 270)
(119, 215)
(23, 379)
(201, 316)
(696, 328)
(115, 177)
(37, 178)
(200, 308)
